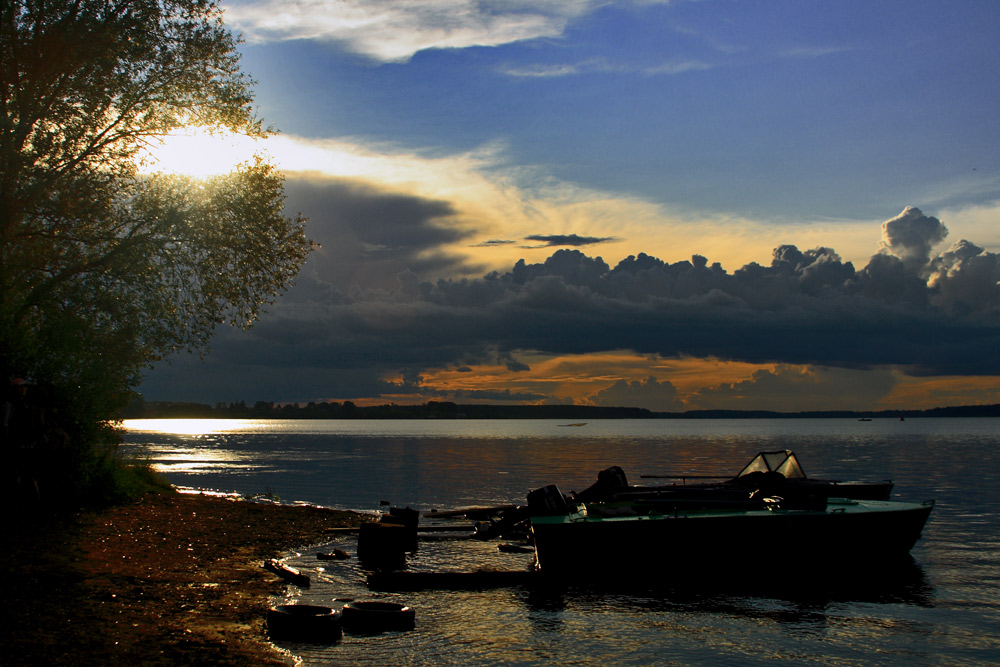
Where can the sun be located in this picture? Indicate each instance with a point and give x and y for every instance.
(194, 151)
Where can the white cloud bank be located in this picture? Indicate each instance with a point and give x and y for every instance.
(392, 31)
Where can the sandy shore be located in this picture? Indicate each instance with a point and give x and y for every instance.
(171, 580)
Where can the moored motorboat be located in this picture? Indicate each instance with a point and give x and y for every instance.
(635, 538)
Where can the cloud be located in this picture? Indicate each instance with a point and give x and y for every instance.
(965, 278)
(542, 71)
(370, 237)
(648, 393)
(797, 389)
(911, 235)
(500, 202)
(806, 308)
(678, 67)
(601, 66)
(493, 243)
(394, 31)
(553, 240)
(814, 51)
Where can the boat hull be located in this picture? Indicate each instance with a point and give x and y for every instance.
(674, 544)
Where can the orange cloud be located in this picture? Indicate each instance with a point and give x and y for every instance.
(700, 384)
(921, 393)
(577, 378)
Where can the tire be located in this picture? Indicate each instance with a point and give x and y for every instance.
(377, 616)
(304, 623)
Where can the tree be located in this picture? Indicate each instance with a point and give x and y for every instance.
(104, 270)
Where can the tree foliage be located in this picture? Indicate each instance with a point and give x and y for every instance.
(104, 270)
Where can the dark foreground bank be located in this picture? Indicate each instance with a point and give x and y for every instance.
(173, 579)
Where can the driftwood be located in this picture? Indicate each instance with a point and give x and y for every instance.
(289, 574)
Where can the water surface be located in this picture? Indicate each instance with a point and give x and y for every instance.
(943, 608)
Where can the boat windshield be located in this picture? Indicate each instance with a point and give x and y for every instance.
(783, 462)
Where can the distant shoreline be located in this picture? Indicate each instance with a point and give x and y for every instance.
(447, 410)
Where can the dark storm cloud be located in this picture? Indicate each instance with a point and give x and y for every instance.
(807, 307)
(368, 236)
(493, 243)
(575, 240)
(940, 315)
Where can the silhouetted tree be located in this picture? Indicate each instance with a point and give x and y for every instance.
(104, 270)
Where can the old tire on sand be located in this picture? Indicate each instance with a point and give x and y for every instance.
(377, 616)
(305, 623)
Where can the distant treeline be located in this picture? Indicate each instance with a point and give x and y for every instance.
(446, 410)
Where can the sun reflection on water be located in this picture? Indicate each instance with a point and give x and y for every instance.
(197, 460)
(197, 427)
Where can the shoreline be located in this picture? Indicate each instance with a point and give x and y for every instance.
(171, 579)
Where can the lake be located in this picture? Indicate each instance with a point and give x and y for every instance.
(940, 609)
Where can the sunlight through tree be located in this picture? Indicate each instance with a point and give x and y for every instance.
(105, 268)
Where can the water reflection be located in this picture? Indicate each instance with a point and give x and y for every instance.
(799, 595)
(198, 460)
(191, 426)
(638, 621)
(940, 607)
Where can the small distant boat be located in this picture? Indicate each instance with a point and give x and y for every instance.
(864, 419)
(576, 424)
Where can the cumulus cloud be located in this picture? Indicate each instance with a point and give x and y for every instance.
(648, 393)
(389, 31)
(965, 278)
(911, 235)
(806, 308)
(797, 389)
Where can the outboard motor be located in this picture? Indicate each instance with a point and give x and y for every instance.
(609, 482)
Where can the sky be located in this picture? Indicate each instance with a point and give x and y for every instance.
(686, 204)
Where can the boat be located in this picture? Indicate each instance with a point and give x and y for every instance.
(771, 474)
(768, 473)
(678, 538)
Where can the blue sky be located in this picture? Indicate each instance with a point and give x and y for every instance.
(435, 145)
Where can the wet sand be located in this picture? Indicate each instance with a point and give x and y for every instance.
(173, 579)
